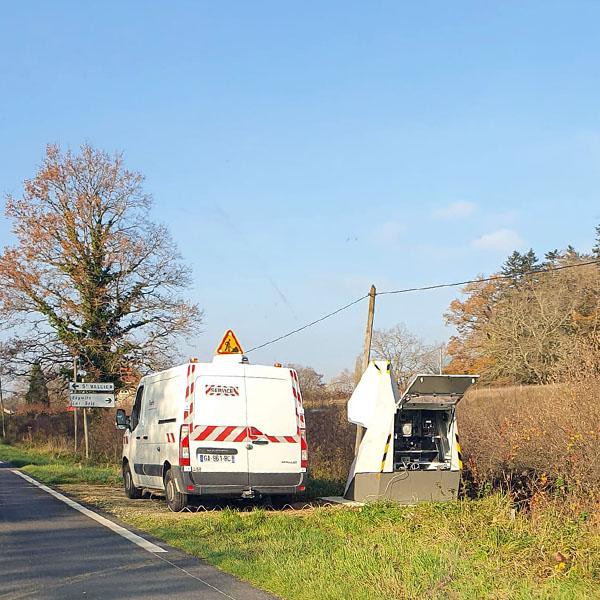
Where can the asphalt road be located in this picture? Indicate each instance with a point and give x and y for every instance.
(50, 550)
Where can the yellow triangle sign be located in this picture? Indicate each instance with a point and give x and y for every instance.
(229, 344)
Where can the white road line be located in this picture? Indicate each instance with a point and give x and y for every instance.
(197, 578)
(128, 535)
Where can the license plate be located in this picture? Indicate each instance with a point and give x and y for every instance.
(216, 458)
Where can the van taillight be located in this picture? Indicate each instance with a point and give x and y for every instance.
(184, 446)
(303, 450)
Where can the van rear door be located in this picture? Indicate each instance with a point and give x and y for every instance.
(218, 452)
(274, 459)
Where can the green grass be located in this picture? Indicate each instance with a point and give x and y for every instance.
(58, 468)
(468, 549)
(463, 550)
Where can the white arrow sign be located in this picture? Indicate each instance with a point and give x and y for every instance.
(92, 400)
(91, 387)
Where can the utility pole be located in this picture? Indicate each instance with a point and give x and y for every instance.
(2, 409)
(366, 355)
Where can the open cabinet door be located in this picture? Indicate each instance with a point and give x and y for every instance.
(436, 391)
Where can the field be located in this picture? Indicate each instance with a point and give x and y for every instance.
(467, 549)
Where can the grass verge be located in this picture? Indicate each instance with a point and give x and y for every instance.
(460, 550)
(55, 468)
(467, 549)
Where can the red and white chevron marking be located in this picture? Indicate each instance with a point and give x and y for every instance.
(300, 420)
(238, 433)
(298, 398)
(188, 413)
(219, 433)
(232, 433)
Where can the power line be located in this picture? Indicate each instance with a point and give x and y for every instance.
(331, 314)
(424, 289)
(493, 278)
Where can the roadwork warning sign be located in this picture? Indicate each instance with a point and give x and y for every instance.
(229, 344)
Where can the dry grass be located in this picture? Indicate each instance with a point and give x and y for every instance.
(535, 441)
(331, 447)
(52, 429)
(540, 443)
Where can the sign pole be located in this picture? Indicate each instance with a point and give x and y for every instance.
(360, 431)
(85, 434)
(75, 409)
(2, 409)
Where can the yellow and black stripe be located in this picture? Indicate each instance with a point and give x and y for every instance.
(385, 452)
(458, 450)
(388, 366)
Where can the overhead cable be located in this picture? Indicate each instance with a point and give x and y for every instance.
(492, 278)
(427, 288)
(335, 312)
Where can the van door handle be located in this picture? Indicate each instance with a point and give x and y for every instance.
(137, 437)
(260, 442)
(145, 437)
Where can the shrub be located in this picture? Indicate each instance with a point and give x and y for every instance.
(533, 439)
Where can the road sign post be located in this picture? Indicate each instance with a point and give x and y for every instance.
(74, 409)
(85, 434)
(90, 395)
(2, 410)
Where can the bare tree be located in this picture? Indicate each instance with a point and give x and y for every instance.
(90, 274)
(343, 383)
(408, 353)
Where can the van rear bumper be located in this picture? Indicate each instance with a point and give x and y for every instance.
(238, 484)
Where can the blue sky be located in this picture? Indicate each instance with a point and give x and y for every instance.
(301, 151)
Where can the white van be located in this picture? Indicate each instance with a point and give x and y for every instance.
(226, 428)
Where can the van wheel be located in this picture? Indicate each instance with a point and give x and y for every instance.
(131, 491)
(176, 501)
(266, 501)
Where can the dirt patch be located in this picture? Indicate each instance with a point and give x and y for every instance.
(112, 500)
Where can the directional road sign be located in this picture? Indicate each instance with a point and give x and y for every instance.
(91, 387)
(102, 399)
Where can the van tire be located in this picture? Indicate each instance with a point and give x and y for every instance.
(131, 491)
(176, 501)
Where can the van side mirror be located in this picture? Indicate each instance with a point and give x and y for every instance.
(121, 419)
